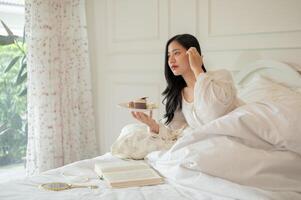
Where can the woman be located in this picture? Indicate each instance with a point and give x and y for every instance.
(193, 96)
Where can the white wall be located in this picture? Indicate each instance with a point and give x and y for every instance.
(127, 40)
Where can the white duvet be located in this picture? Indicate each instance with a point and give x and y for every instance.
(258, 144)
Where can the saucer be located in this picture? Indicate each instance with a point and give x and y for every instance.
(150, 106)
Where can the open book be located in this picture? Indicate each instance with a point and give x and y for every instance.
(127, 174)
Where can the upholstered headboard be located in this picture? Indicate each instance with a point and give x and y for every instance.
(277, 71)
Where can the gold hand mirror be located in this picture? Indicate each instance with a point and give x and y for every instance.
(58, 186)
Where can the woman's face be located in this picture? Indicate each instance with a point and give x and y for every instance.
(178, 59)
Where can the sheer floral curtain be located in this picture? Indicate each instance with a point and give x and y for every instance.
(60, 113)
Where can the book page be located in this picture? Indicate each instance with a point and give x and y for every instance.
(133, 175)
(120, 166)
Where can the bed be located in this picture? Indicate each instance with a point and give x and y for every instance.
(187, 177)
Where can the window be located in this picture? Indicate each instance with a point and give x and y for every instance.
(13, 102)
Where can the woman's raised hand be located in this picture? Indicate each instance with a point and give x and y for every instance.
(148, 120)
(195, 60)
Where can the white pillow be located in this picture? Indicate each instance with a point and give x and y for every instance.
(261, 88)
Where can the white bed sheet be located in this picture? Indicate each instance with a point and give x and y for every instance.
(200, 187)
(28, 188)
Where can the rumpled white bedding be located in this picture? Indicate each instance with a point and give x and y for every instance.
(78, 173)
(257, 145)
(196, 187)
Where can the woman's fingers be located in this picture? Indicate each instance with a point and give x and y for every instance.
(192, 51)
(133, 114)
(141, 116)
(195, 59)
(146, 119)
(189, 52)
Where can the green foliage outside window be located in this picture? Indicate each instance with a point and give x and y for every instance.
(13, 101)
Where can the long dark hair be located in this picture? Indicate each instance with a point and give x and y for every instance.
(175, 84)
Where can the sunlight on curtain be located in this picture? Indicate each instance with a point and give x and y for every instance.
(60, 112)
